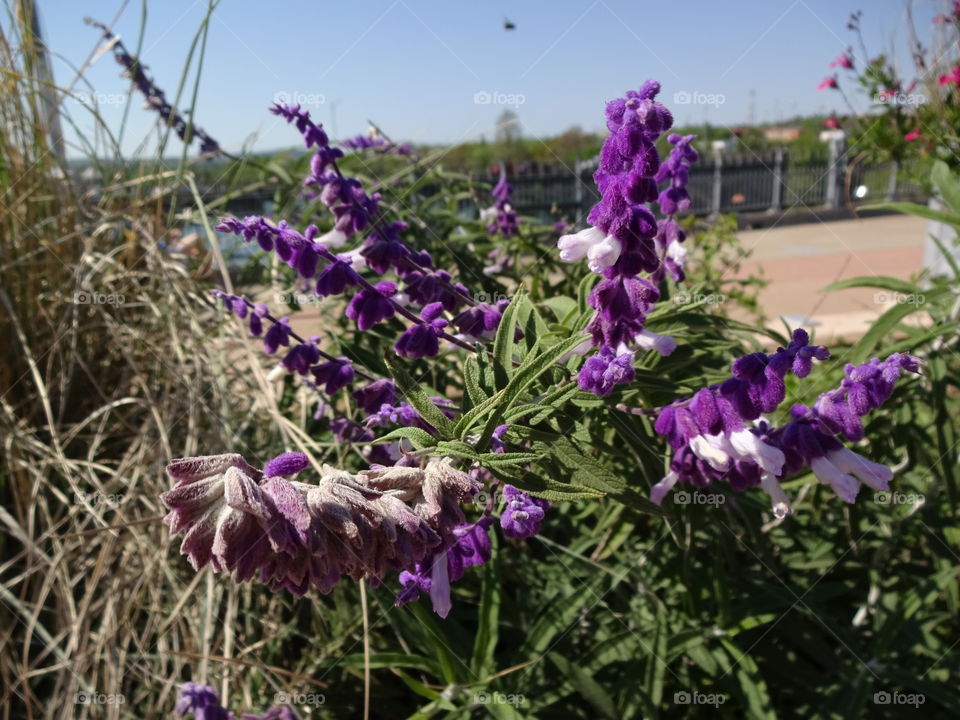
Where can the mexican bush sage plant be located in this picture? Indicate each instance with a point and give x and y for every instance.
(521, 393)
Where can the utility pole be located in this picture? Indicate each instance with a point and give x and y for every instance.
(43, 74)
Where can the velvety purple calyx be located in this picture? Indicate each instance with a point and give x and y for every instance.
(433, 575)
(427, 287)
(378, 393)
(298, 250)
(403, 414)
(286, 465)
(345, 430)
(604, 371)
(301, 356)
(496, 438)
(863, 390)
(203, 701)
(260, 311)
(335, 278)
(523, 514)
(372, 305)
(384, 249)
(333, 375)
(423, 339)
(478, 322)
(278, 335)
(313, 134)
(757, 385)
(622, 306)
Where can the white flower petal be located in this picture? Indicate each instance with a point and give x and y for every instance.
(574, 247)
(778, 498)
(866, 471)
(845, 486)
(678, 253)
(663, 344)
(659, 491)
(709, 448)
(752, 448)
(333, 239)
(603, 254)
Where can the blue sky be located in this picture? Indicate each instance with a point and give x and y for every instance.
(415, 66)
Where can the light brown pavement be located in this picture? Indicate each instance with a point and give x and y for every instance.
(800, 260)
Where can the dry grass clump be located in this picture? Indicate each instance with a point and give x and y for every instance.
(111, 363)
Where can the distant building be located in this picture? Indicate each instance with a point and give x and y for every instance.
(781, 133)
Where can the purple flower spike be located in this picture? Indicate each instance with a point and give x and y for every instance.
(713, 440)
(501, 217)
(523, 514)
(298, 536)
(370, 306)
(286, 464)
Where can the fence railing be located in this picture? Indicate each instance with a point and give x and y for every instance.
(727, 182)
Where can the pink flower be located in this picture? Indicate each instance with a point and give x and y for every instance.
(845, 61)
(952, 78)
(912, 135)
(828, 83)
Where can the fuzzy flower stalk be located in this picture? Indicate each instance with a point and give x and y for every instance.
(625, 243)
(156, 100)
(719, 434)
(265, 525)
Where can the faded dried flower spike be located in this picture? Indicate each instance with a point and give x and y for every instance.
(296, 535)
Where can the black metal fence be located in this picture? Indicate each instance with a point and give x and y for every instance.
(727, 182)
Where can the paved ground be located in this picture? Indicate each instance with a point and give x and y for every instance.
(800, 260)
